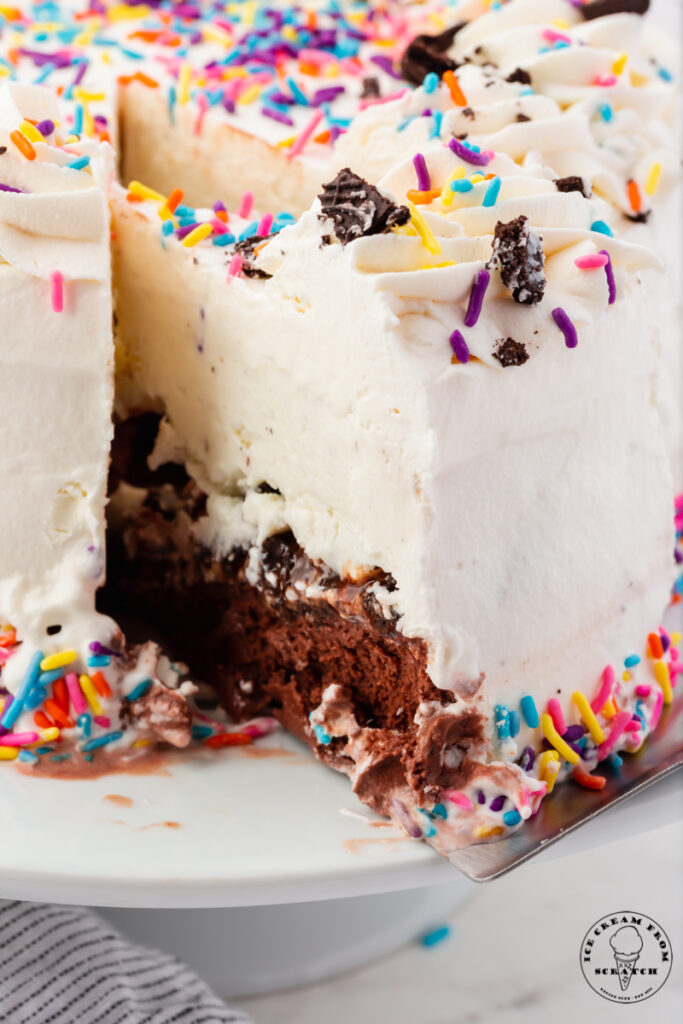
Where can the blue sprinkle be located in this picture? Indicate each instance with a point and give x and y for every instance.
(78, 119)
(633, 659)
(28, 682)
(296, 92)
(137, 691)
(461, 185)
(430, 82)
(226, 239)
(602, 228)
(249, 230)
(57, 758)
(36, 697)
(28, 757)
(512, 817)
(615, 761)
(201, 732)
(502, 722)
(85, 724)
(437, 117)
(527, 91)
(439, 811)
(45, 73)
(664, 74)
(167, 228)
(99, 661)
(101, 741)
(605, 112)
(133, 55)
(404, 124)
(321, 735)
(184, 211)
(515, 721)
(436, 936)
(43, 750)
(48, 678)
(171, 100)
(530, 711)
(80, 164)
(491, 193)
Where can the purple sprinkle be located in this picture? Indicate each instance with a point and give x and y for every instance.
(8, 188)
(80, 74)
(609, 274)
(481, 283)
(459, 346)
(498, 802)
(426, 112)
(666, 643)
(97, 648)
(527, 759)
(573, 733)
(277, 115)
(387, 65)
(45, 127)
(281, 97)
(405, 820)
(423, 181)
(468, 155)
(326, 95)
(229, 105)
(185, 230)
(561, 318)
(481, 796)
(219, 206)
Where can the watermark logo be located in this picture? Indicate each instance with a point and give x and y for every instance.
(626, 957)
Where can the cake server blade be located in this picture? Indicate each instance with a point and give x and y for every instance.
(571, 806)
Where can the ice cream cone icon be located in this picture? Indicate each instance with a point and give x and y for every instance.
(626, 945)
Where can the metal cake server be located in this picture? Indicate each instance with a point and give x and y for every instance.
(571, 806)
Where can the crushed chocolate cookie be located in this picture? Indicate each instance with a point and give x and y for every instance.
(428, 54)
(509, 352)
(371, 89)
(247, 249)
(639, 218)
(519, 75)
(601, 8)
(3, 150)
(522, 117)
(468, 112)
(572, 183)
(357, 208)
(161, 711)
(518, 254)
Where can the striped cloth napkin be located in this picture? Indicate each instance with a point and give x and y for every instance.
(66, 965)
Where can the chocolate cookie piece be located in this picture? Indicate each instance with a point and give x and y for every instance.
(519, 75)
(509, 352)
(357, 208)
(247, 250)
(518, 254)
(572, 183)
(428, 54)
(601, 8)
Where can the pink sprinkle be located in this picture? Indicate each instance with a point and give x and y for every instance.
(57, 291)
(102, 720)
(604, 691)
(203, 105)
(555, 712)
(246, 205)
(643, 690)
(656, 711)
(265, 224)
(605, 80)
(260, 727)
(75, 693)
(633, 725)
(235, 266)
(18, 739)
(458, 798)
(619, 723)
(551, 35)
(219, 226)
(594, 259)
(375, 101)
(301, 141)
(675, 669)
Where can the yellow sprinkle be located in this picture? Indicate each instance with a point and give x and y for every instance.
(289, 32)
(437, 266)
(88, 97)
(286, 142)
(476, 178)
(638, 80)
(626, 676)
(447, 193)
(197, 234)
(662, 677)
(653, 179)
(675, 639)
(212, 34)
(549, 767)
(234, 73)
(9, 753)
(86, 37)
(4, 72)
(249, 94)
(48, 735)
(136, 188)
(619, 64)
(561, 23)
(484, 832)
(122, 12)
(57, 660)
(423, 229)
(553, 737)
(90, 694)
(589, 719)
(31, 133)
(184, 77)
(141, 743)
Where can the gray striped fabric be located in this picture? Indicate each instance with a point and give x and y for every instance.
(65, 965)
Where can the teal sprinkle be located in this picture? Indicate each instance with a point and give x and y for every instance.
(28, 682)
(137, 691)
(45, 73)
(439, 811)
(615, 761)
(43, 750)
(296, 92)
(78, 165)
(36, 697)
(633, 659)
(605, 112)
(101, 741)
(321, 736)
(527, 91)
(48, 678)
(665, 75)
(249, 230)
(530, 711)
(512, 817)
(491, 193)
(502, 722)
(87, 757)
(436, 936)
(167, 228)
(78, 119)
(171, 102)
(602, 228)
(461, 185)
(184, 211)
(404, 124)
(99, 661)
(57, 758)
(28, 757)
(85, 724)
(437, 117)
(515, 722)
(201, 732)
(132, 54)
(431, 82)
(226, 239)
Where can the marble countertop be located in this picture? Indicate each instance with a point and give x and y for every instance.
(513, 951)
